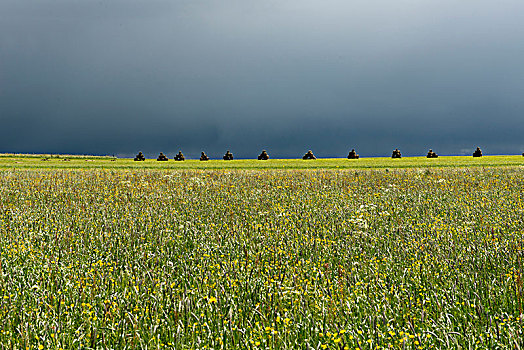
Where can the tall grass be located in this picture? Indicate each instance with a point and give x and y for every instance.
(261, 258)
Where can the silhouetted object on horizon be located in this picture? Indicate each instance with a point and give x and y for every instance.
(263, 155)
(477, 153)
(309, 155)
(203, 156)
(523, 154)
(352, 154)
(432, 154)
(179, 157)
(396, 154)
(228, 156)
(162, 157)
(139, 157)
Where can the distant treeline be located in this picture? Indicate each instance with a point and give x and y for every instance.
(308, 156)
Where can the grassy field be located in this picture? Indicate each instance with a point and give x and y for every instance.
(84, 162)
(168, 258)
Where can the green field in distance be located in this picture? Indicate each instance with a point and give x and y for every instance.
(68, 162)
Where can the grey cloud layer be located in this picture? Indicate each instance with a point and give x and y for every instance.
(120, 76)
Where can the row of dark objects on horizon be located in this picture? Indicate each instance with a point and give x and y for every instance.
(309, 155)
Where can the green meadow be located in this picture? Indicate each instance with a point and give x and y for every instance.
(98, 253)
(89, 162)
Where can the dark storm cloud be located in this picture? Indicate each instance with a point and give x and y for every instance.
(121, 76)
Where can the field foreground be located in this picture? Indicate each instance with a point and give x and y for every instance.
(323, 259)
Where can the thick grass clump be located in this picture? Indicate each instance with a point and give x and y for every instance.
(318, 259)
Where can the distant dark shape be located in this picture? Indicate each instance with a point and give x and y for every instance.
(432, 154)
(396, 154)
(162, 157)
(228, 156)
(179, 157)
(263, 155)
(203, 156)
(523, 154)
(139, 157)
(477, 153)
(309, 155)
(353, 154)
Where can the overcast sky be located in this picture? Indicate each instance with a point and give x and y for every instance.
(116, 77)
